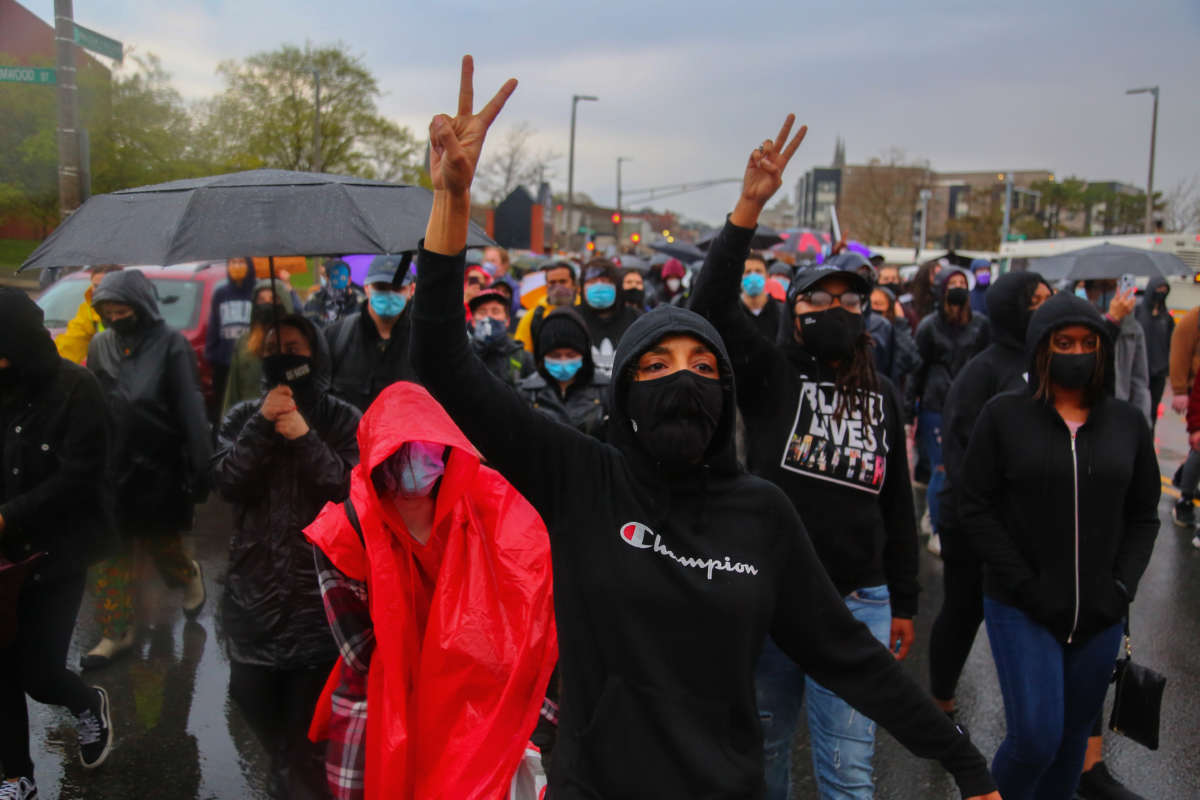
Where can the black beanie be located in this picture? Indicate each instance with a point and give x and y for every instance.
(562, 328)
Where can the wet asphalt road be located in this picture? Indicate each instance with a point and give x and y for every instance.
(178, 737)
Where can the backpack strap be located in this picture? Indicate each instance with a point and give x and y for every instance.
(352, 516)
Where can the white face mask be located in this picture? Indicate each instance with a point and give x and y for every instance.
(673, 284)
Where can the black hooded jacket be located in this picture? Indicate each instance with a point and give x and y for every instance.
(666, 585)
(999, 368)
(364, 363)
(1158, 327)
(53, 449)
(847, 475)
(161, 443)
(944, 350)
(1064, 524)
(272, 608)
(585, 404)
(507, 359)
(606, 327)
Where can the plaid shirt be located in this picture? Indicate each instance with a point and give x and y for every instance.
(350, 620)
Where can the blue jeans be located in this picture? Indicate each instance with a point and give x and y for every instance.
(843, 740)
(929, 436)
(1053, 693)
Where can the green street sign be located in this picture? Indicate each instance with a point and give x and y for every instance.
(39, 75)
(99, 43)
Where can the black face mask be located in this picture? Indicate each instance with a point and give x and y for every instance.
(125, 325)
(9, 377)
(675, 417)
(830, 335)
(294, 370)
(957, 296)
(1072, 370)
(635, 297)
(263, 314)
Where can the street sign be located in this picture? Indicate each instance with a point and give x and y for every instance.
(99, 43)
(38, 75)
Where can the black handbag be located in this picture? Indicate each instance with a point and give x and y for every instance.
(1137, 702)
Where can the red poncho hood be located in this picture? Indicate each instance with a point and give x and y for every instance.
(463, 654)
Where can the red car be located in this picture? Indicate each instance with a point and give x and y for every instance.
(184, 298)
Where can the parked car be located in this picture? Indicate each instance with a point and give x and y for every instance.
(184, 297)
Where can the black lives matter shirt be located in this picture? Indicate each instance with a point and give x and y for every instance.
(832, 441)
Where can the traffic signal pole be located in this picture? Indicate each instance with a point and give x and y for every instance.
(67, 132)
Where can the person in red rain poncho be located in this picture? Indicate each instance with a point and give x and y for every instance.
(457, 577)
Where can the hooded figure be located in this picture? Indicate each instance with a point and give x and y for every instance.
(245, 370)
(671, 565)
(1158, 325)
(944, 345)
(161, 443)
(277, 636)
(583, 403)
(463, 624)
(602, 308)
(982, 269)
(228, 318)
(1000, 368)
(505, 356)
(1062, 508)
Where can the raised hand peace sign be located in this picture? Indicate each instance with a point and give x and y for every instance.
(764, 171)
(456, 142)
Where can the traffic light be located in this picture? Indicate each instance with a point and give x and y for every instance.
(635, 237)
(591, 245)
(616, 218)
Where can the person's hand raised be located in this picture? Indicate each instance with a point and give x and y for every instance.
(456, 142)
(764, 173)
(279, 401)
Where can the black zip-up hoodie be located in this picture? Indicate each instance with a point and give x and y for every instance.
(666, 585)
(999, 368)
(1065, 528)
(944, 349)
(847, 475)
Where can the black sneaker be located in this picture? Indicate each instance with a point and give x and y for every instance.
(1184, 512)
(95, 732)
(18, 789)
(1099, 784)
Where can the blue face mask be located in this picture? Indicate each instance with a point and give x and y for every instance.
(339, 279)
(388, 304)
(489, 330)
(1081, 293)
(601, 295)
(753, 284)
(563, 369)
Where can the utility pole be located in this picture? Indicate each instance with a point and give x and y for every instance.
(316, 159)
(924, 194)
(67, 133)
(575, 98)
(1008, 194)
(1153, 135)
(619, 160)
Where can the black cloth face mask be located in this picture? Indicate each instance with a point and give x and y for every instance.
(295, 371)
(635, 297)
(957, 296)
(125, 325)
(1072, 370)
(675, 417)
(263, 314)
(830, 335)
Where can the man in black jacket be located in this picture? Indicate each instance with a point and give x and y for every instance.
(53, 455)
(604, 311)
(999, 368)
(566, 387)
(762, 309)
(279, 460)
(369, 349)
(504, 355)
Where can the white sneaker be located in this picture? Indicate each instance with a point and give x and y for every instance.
(194, 595)
(926, 524)
(18, 789)
(934, 545)
(1196, 541)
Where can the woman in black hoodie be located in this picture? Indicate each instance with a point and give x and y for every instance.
(671, 565)
(1059, 498)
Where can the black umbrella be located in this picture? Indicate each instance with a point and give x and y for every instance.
(1105, 261)
(684, 251)
(633, 262)
(763, 238)
(265, 212)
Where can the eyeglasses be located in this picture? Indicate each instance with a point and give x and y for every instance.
(821, 299)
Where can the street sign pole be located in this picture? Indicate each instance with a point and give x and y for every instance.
(98, 43)
(67, 132)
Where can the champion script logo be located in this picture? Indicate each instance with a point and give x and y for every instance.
(635, 534)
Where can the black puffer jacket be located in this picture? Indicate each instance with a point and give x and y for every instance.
(363, 363)
(944, 350)
(53, 449)
(585, 405)
(272, 608)
(1064, 524)
(161, 445)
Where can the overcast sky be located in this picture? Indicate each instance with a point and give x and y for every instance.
(688, 88)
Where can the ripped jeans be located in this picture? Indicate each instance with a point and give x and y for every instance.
(842, 739)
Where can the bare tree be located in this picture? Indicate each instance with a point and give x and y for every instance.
(880, 197)
(1181, 211)
(514, 162)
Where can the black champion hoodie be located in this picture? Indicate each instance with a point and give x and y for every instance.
(999, 368)
(1065, 524)
(847, 474)
(666, 585)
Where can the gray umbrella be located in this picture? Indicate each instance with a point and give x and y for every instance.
(684, 251)
(264, 212)
(1108, 261)
(764, 237)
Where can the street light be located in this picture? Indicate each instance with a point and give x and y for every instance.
(575, 98)
(1153, 135)
(619, 160)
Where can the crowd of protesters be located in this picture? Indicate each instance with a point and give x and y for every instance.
(640, 524)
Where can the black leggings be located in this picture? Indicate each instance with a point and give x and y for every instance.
(962, 612)
(35, 664)
(279, 704)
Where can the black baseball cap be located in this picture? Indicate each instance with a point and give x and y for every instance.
(808, 278)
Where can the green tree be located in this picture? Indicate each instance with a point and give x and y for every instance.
(265, 116)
